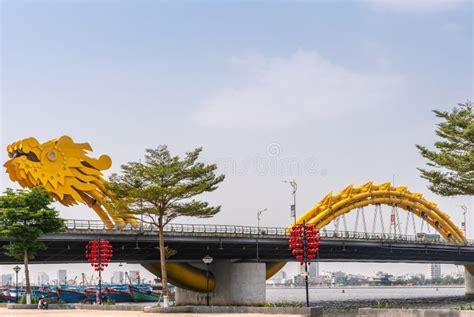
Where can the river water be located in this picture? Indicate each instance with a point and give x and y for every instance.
(344, 302)
(276, 295)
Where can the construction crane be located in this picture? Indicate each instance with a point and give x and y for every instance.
(138, 278)
(84, 280)
(92, 280)
(73, 281)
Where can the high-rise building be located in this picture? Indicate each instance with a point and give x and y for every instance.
(313, 270)
(62, 277)
(435, 271)
(7, 279)
(43, 278)
(118, 277)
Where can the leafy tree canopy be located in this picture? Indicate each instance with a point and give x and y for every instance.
(451, 165)
(25, 215)
(165, 186)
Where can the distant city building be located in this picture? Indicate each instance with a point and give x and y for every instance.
(338, 277)
(43, 278)
(435, 271)
(356, 279)
(279, 278)
(6, 279)
(313, 270)
(118, 277)
(381, 278)
(62, 277)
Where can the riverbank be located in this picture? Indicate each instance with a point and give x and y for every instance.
(345, 308)
(298, 295)
(349, 308)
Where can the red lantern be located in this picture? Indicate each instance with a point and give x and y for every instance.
(304, 242)
(99, 254)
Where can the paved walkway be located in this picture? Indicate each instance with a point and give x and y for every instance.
(100, 313)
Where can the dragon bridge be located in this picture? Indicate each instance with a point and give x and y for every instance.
(65, 170)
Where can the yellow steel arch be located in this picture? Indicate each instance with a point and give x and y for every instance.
(335, 205)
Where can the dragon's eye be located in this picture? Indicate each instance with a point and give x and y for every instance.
(52, 156)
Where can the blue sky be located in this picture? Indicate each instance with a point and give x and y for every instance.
(327, 92)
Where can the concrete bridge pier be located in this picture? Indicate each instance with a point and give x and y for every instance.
(237, 283)
(469, 280)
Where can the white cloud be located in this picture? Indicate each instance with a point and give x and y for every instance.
(413, 6)
(287, 91)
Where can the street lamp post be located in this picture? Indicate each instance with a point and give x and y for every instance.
(305, 256)
(100, 269)
(207, 260)
(259, 214)
(464, 224)
(294, 186)
(16, 269)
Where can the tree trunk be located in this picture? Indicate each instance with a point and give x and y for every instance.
(27, 272)
(164, 276)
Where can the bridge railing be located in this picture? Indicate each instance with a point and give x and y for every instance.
(173, 228)
(249, 231)
(353, 235)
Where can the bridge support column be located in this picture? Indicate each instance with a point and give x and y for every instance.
(237, 283)
(469, 280)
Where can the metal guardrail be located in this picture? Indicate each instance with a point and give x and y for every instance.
(251, 232)
(172, 228)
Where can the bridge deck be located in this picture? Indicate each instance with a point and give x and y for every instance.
(192, 242)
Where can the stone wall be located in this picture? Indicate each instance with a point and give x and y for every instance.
(293, 311)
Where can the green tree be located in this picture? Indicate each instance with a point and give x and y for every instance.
(162, 188)
(25, 215)
(452, 165)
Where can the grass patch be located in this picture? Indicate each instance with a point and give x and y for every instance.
(283, 304)
(387, 306)
(109, 302)
(466, 307)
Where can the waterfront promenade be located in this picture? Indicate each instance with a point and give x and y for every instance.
(87, 313)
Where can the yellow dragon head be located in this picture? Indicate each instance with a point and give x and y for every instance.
(65, 170)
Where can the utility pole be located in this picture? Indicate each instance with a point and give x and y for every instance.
(259, 214)
(16, 269)
(100, 275)
(305, 257)
(207, 260)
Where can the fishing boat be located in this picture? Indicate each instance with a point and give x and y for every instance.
(141, 295)
(91, 294)
(45, 293)
(117, 295)
(71, 296)
(7, 298)
(8, 295)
